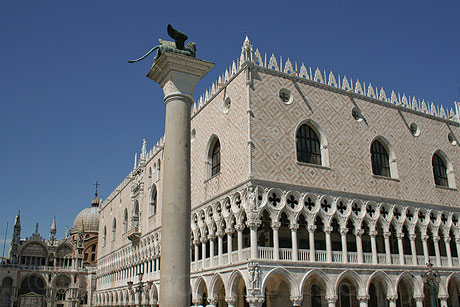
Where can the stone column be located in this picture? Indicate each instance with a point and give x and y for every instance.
(295, 252)
(311, 237)
(392, 300)
(229, 232)
(212, 302)
(400, 236)
(211, 240)
(231, 301)
(373, 234)
(327, 231)
(425, 248)
(331, 299)
(220, 246)
(296, 300)
(276, 245)
(413, 248)
(359, 245)
(436, 250)
(457, 242)
(255, 301)
(197, 252)
(443, 300)
(177, 74)
(203, 252)
(239, 229)
(448, 251)
(419, 301)
(253, 224)
(387, 235)
(363, 299)
(343, 237)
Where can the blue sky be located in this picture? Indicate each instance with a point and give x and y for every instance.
(73, 110)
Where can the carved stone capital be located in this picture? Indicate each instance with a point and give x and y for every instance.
(386, 235)
(231, 300)
(400, 235)
(424, 238)
(253, 223)
(412, 236)
(343, 231)
(212, 301)
(328, 230)
(419, 298)
(239, 227)
(436, 239)
(196, 301)
(294, 226)
(255, 301)
(211, 236)
(447, 240)
(392, 298)
(276, 225)
(296, 300)
(311, 228)
(359, 232)
(363, 298)
(331, 298)
(229, 231)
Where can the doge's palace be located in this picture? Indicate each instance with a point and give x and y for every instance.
(308, 188)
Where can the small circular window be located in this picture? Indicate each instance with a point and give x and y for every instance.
(227, 104)
(414, 129)
(285, 96)
(452, 138)
(357, 115)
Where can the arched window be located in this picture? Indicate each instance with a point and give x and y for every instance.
(125, 221)
(439, 171)
(153, 201)
(114, 228)
(380, 159)
(308, 145)
(104, 235)
(214, 157)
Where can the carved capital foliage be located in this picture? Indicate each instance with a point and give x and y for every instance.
(343, 231)
(231, 300)
(294, 226)
(311, 228)
(296, 300)
(331, 298)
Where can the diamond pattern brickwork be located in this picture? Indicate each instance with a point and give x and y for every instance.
(274, 158)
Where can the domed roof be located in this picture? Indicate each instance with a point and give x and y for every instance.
(87, 220)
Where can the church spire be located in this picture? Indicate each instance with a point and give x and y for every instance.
(53, 230)
(95, 201)
(14, 245)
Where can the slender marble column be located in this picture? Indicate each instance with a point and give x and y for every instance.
(413, 248)
(211, 241)
(373, 234)
(197, 251)
(400, 237)
(343, 236)
(220, 246)
(311, 237)
(295, 252)
(331, 299)
(387, 235)
(253, 224)
(448, 251)
(229, 232)
(327, 231)
(436, 250)
(276, 245)
(425, 248)
(239, 228)
(177, 74)
(457, 242)
(359, 245)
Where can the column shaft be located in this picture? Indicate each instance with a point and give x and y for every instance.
(374, 249)
(295, 255)
(253, 233)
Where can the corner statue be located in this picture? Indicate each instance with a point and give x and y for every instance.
(167, 46)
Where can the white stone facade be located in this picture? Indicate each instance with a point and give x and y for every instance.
(269, 230)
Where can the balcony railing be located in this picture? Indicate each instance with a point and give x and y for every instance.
(134, 234)
(303, 255)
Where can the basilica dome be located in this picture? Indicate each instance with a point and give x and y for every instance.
(88, 219)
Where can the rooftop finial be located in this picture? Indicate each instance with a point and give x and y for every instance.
(97, 186)
(95, 201)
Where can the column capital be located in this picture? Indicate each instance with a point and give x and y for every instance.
(229, 230)
(311, 228)
(294, 226)
(447, 240)
(343, 231)
(178, 73)
(276, 225)
(425, 238)
(331, 298)
(296, 300)
(363, 297)
(255, 301)
(253, 223)
(328, 230)
(400, 235)
(359, 232)
(231, 300)
(412, 236)
(373, 233)
(211, 236)
(212, 301)
(196, 301)
(239, 227)
(436, 239)
(386, 234)
(392, 297)
(419, 298)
